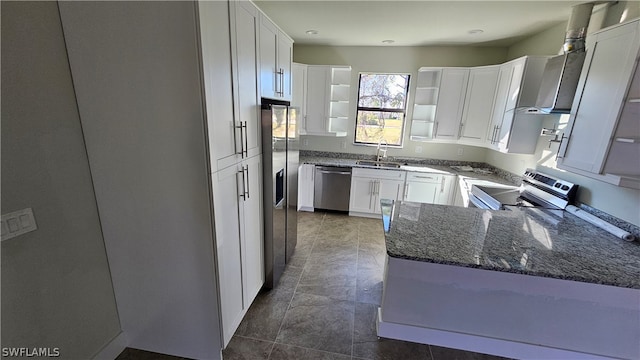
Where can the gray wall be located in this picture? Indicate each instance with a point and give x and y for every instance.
(136, 73)
(56, 287)
(395, 59)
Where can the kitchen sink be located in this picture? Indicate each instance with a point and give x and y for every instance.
(383, 164)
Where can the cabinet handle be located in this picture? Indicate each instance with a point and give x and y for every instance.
(282, 82)
(406, 191)
(435, 129)
(248, 183)
(378, 187)
(460, 129)
(246, 140)
(423, 177)
(560, 147)
(243, 194)
(241, 139)
(442, 185)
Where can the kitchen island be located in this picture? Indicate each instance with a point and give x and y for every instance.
(522, 283)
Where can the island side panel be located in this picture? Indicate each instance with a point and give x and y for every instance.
(561, 314)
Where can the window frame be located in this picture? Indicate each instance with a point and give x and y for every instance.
(387, 110)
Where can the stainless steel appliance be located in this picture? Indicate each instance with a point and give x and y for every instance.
(332, 188)
(537, 190)
(280, 155)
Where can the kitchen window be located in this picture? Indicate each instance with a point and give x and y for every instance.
(382, 103)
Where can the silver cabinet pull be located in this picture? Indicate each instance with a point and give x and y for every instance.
(248, 183)
(442, 185)
(460, 129)
(560, 147)
(246, 140)
(435, 129)
(243, 194)
(239, 126)
(406, 191)
(282, 82)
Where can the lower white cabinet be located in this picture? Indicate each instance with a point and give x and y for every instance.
(428, 188)
(237, 198)
(368, 186)
(306, 173)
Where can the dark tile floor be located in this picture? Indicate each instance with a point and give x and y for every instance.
(326, 302)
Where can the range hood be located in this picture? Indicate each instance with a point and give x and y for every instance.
(562, 72)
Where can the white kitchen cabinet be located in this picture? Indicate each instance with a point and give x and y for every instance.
(239, 239)
(244, 50)
(327, 100)
(276, 55)
(451, 97)
(428, 188)
(513, 129)
(425, 103)
(602, 105)
(299, 93)
(478, 104)
(368, 186)
(306, 181)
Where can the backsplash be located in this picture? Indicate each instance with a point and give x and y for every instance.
(513, 178)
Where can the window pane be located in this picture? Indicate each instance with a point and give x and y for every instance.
(386, 91)
(373, 126)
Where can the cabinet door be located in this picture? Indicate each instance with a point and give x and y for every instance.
(285, 57)
(513, 95)
(444, 194)
(423, 192)
(224, 137)
(500, 104)
(298, 96)
(228, 244)
(252, 225)
(478, 104)
(362, 196)
(387, 189)
(450, 103)
(244, 48)
(318, 78)
(306, 180)
(606, 73)
(268, 58)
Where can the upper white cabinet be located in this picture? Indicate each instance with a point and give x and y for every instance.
(326, 100)
(451, 95)
(299, 93)
(478, 104)
(513, 128)
(276, 55)
(602, 134)
(425, 102)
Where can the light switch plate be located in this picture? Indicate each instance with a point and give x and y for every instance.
(17, 223)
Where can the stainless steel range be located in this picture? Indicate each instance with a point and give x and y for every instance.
(537, 190)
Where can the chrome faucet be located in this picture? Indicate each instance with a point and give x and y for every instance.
(380, 149)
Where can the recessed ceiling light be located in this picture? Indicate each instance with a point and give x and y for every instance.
(475, 31)
(311, 32)
(388, 41)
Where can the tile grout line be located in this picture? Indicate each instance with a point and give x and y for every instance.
(353, 325)
(295, 288)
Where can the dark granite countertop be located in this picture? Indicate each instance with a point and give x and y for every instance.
(547, 243)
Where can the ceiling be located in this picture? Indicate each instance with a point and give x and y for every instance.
(414, 23)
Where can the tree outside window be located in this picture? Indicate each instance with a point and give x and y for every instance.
(382, 100)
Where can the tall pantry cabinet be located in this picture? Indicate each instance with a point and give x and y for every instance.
(168, 96)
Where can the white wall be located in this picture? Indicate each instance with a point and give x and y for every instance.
(56, 286)
(136, 73)
(620, 202)
(395, 59)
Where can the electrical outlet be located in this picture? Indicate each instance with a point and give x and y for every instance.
(460, 151)
(18, 223)
(343, 145)
(418, 149)
(305, 142)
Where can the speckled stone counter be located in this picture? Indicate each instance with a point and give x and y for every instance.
(528, 241)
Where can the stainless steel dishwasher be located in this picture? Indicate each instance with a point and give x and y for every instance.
(332, 187)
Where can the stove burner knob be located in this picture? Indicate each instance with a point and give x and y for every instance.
(557, 185)
(565, 187)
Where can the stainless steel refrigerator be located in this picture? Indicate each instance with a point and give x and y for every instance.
(280, 156)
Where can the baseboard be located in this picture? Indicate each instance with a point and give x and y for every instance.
(113, 348)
